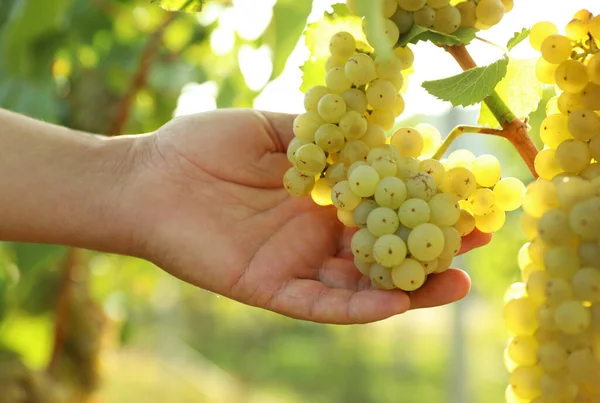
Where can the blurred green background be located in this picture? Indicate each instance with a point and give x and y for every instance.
(130, 333)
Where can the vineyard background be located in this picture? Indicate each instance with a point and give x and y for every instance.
(125, 66)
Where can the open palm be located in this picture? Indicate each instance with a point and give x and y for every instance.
(214, 213)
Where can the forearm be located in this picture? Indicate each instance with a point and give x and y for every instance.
(60, 186)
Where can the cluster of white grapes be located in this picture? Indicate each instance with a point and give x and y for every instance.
(441, 15)
(411, 211)
(553, 313)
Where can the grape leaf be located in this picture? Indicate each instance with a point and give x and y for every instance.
(417, 33)
(340, 9)
(188, 6)
(519, 89)
(517, 38)
(469, 87)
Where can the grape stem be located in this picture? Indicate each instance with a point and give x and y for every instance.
(458, 131)
(502, 48)
(513, 129)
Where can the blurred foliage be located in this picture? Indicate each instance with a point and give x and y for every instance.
(125, 65)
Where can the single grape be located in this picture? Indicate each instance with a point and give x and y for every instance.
(374, 136)
(452, 242)
(546, 164)
(360, 69)
(556, 49)
(363, 267)
(545, 72)
(482, 201)
(426, 242)
(551, 356)
(593, 66)
(381, 277)
(583, 366)
(356, 100)
(363, 181)
(313, 96)
(388, 69)
(571, 76)
(424, 16)
(408, 141)
(459, 181)
(362, 244)
(385, 166)
(294, 145)
(536, 286)
(406, 55)
(321, 193)
(403, 19)
(523, 350)
(298, 184)
(529, 225)
(346, 218)
(306, 125)
(589, 253)
(489, 12)
(336, 80)
(434, 168)
(343, 197)
(335, 61)
(466, 223)
(362, 211)
(407, 167)
(353, 125)
(354, 150)
(577, 30)
(336, 173)
(491, 222)
(342, 44)
(487, 171)
(590, 96)
(540, 196)
(438, 3)
(461, 158)
(330, 138)
(447, 19)
(555, 130)
(414, 212)
(584, 124)
(558, 290)
(389, 250)
(391, 192)
(445, 210)
(411, 5)
(572, 190)
(519, 316)
(382, 221)
(430, 266)
(585, 218)
(331, 108)
(310, 159)
(409, 275)
(468, 14)
(539, 32)
(586, 284)
(572, 317)
(381, 94)
(545, 317)
(422, 186)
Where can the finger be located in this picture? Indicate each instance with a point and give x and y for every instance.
(475, 239)
(441, 289)
(314, 301)
(340, 273)
(281, 127)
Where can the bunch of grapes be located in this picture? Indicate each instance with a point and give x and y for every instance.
(410, 211)
(553, 314)
(440, 15)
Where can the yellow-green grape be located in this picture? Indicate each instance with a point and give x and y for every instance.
(353, 151)
(590, 97)
(537, 250)
(411, 5)
(434, 168)
(489, 12)
(383, 221)
(330, 138)
(310, 159)
(362, 244)
(389, 7)
(572, 317)
(552, 106)
(414, 212)
(535, 284)
(343, 197)
(466, 223)
(363, 268)
(406, 56)
(336, 80)
(313, 96)
(459, 181)
(438, 3)
(591, 172)
(331, 108)
(445, 210)
(556, 49)
(491, 222)
(382, 117)
(353, 6)
(399, 105)
(381, 277)
(403, 19)
(353, 125)
(584, 124)
(388, 69)
(452, 242)
(442, 265)
(294, 145)
(515, 291)
(571, 76)
(374, 136)
(594, 27)
(385, 166)
(555, 130)
(389, 250)
(594, 148)
(398, 82)
(539, 32)
(545, 72)
(432, 138)
(586, 284)
(363, 181)
(335, 61)
(409, 276)
(568, 102)
(298, 184)
(546, 165)
(362, 211)
(335, 173)
(589, 253)
(561, 262)
(430, 266)
(356, 100)
(593, 66)
(577, 30)
(553, 228)
(482, 201)
(424, 16)
(584, 218)
(422, 186)
(360, 69)
(382, 151)
(552, 356)
(447, 19)
(529, 225)
(321, 193)
(523, 350)
(408, 141)
(407, 167)
(426, 242)
(573, 155)
(583, 366)
(342, 45)
(306, 124)
(381, 94)
(468, 14)
(519, 316)
(461, 158)
(391, 192)
(545, 313)
(355, 165)
(487, 171)
(392, 31)
(346, 218)
(540, 196)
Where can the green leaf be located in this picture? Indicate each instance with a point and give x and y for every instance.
(31, 256)
(188, 6)
(469, 87)
(520, 90)
(284, 31)
(312, 74)
(517, 38)
(340, 10)
(463, 36)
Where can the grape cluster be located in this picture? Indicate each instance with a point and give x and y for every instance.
(553, 313)
(439, 15)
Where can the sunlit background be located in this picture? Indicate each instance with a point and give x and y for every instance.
(164, 341)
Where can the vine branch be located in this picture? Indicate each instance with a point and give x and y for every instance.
(513, 128)
(140, 76)
(460, 130)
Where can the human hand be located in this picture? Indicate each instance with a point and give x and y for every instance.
(211, 210)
